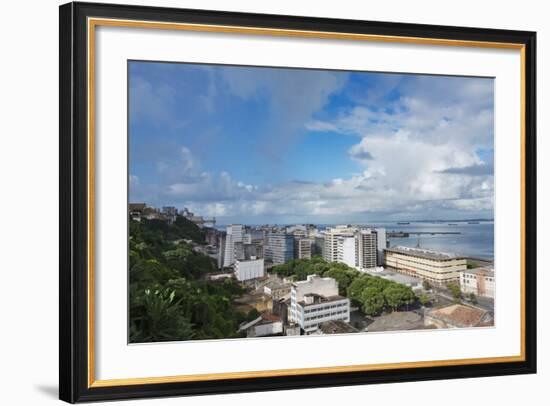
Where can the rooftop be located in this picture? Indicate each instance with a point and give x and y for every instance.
(423, 253)
(336, 327)
(397, 321)
(317, 299)
(312, 279)
(136, 206)
(274, 285)
(481, 271)
(459, 315)
(270, 317)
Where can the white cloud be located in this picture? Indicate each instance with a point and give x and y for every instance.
(418, 154)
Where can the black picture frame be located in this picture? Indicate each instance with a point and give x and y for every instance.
(73, 256)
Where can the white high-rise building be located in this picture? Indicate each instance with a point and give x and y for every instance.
(361, 248)
(346, 250)
(234, 234)
(331, 237)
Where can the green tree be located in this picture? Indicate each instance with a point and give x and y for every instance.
(356, 288)
(472, 298)
(398, 295)
(161, 319)
(373, 301)
(342, 276)
(454, 288)
(424, 299)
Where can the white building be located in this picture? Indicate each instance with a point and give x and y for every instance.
(331, 241)
(346, 251)
(315, 301)
(360, 248)
(251, 269)
(479, 281)
(234, 234)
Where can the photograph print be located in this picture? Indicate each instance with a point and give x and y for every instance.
(268, 201)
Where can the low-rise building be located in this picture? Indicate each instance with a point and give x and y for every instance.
(277, 289)
(479, 281)
(436, 267)
(136, 210)
(336, 327)
(316, 300)
(266, 325)
(249, 269)
(259, 301)
(315, 309)
(457, 316)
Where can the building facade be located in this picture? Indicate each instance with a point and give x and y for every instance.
(333, 240)
(315, 309)
(346, 250)
(280, 247)
(367, 248)
(303, 248)
(381, 245)
(479, 281)
(436, 267)
(353, 246)
(233, 237)
(315, 301)
(249, 269)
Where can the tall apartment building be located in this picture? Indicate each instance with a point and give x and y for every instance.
(318, 245)
(222, 237)
(360, 248)
(279, 248)
(381, 245)
(315, 301)
(233, 239)
(302, 247)
(332, 241)
(367, 248)
(346, 250)
(436, 267)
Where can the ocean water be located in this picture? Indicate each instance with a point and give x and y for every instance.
(475, 240)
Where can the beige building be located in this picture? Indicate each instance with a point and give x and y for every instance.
(436, 267)
(479, 281)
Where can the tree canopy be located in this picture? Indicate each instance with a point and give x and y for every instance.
(372, 293)
(170, 298)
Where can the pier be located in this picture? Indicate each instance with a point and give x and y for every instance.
(405, 234)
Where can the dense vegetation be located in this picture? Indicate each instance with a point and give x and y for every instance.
(373, 293)
(170, 298)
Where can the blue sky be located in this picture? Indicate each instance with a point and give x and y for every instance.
(271, 145)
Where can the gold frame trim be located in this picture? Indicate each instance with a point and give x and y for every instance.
(94, 22)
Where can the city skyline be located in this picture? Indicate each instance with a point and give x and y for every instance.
(282, 146)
